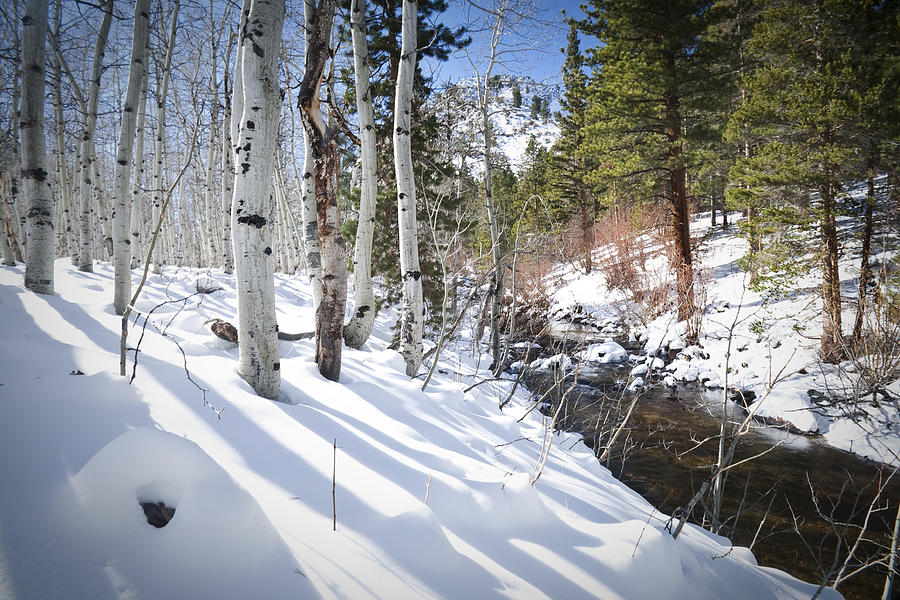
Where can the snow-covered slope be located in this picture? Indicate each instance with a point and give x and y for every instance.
(431, 491)
(513, 126)
(773, 340)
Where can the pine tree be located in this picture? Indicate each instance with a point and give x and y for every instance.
(516, 94)
(877, 125)
(572, 195)
(535, 106)
(802, 102)
(653, 72)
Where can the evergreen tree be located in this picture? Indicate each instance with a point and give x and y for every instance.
(653, 82)
(572, 196)
(516, 94)
(535, 106)
(877, 125)
(803, 102)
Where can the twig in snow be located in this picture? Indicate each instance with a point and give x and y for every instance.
(333, 480)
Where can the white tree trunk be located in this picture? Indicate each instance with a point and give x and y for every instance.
(287, 246)
(86, 185)
(412, 322)
(227, 167)
(64, 183)
(257, 130)
(360, 326)
(137, 191)
(41, 236)
(125, 159)
(10, 192)
(310, 237)
(6, 251)
(158, 150)
(102, 211)
(211, 214)
(12, 209)
(497, 276)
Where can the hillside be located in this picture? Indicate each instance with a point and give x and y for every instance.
(431, 491)
(513, 126)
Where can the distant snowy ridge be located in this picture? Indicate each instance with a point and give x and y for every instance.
(513, 126)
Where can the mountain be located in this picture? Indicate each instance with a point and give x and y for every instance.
(514, 124)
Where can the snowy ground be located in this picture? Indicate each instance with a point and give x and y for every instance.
(432, 489)
(774, 342)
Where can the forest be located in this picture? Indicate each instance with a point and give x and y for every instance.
(377, 230)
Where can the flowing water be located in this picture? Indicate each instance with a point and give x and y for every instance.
(768, 501)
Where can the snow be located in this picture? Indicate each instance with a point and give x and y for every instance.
(605, 352)
(773, 351)
(433, 490)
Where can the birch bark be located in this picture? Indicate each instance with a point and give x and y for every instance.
(41, 235)
(65, 190)
(227, 165)
(161, 93)
(411, 320)
(125, 159)
(251, 219)
(360, 326)
(137, 190)
(86, 187)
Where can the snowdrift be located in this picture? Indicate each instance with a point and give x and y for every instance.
(366, 488)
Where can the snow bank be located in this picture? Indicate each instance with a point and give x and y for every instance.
(770, 343)
(363, 488)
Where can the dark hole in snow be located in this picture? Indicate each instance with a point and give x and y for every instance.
(158, 514)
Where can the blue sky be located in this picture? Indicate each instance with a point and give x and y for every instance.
(537, 45)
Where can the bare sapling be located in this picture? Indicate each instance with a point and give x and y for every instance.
(123, 346)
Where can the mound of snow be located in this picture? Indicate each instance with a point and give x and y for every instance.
(605, 352)
(196, 550)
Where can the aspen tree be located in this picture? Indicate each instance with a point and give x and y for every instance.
(10, 180)
(411, 320)
(41, 235)
(64, 187)
(125, 160)
(310, 235)
(321, 140)
(211, 220)
(86, 185)
(227, 164)
(137, 191)
(360, 326)
(162, 90)
(255, 121)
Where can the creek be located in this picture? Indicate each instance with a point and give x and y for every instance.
(768, 501)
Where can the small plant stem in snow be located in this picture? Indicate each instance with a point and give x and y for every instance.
(123, 340)
(333, 480)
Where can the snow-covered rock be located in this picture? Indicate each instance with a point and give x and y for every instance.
(604, 352)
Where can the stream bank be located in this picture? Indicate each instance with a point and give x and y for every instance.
(779, 503)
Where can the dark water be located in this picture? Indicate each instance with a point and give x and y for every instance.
(657, 457)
